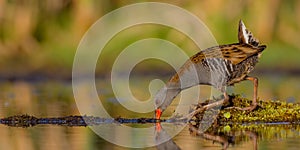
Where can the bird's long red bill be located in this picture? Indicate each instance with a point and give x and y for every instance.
(158, 113)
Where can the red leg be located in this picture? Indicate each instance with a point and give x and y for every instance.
(209, 106)
(254, 101)
(255, 85)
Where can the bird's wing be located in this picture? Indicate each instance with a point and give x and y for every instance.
(235, 53)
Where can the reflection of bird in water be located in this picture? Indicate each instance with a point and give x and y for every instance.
(218, 66)
(161, 135)
(225, 138)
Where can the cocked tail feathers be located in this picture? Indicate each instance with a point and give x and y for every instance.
(245, 36)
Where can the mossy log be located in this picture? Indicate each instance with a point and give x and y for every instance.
(266, 112)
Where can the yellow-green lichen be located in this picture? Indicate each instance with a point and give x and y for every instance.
(266, 112)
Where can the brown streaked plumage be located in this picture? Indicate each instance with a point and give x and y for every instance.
(218, 66)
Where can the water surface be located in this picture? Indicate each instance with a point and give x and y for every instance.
(55, 99)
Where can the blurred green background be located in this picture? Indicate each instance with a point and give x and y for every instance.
(39, 38)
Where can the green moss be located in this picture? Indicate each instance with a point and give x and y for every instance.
(266, 112)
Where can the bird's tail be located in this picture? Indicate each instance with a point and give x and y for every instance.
(245, 36)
